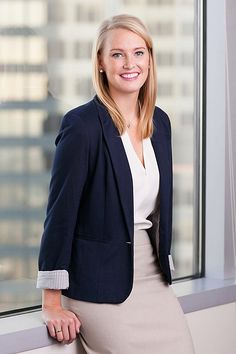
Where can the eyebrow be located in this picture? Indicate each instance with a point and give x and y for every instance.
(122, 50)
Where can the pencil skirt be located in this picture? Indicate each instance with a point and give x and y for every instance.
(149, 321)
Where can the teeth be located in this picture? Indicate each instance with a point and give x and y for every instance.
(130, 76)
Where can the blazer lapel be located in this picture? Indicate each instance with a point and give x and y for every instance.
(160, 148)
(156, 144)
(120, 165)
(160, 142)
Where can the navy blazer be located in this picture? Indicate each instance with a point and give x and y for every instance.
(89, 226)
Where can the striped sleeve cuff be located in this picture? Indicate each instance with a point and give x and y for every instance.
(54, 279)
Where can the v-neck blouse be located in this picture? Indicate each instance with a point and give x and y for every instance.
(145, 181)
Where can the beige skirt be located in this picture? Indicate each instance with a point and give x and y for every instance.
(149, 321)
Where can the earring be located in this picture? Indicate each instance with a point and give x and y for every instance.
(100, 70)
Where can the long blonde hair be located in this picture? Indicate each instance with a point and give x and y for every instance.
(147, 93)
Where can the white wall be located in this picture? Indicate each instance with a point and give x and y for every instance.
(220, 216)
(214, 330)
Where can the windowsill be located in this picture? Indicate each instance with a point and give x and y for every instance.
(26, 332)
(199, 294)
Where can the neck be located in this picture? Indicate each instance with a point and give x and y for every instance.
(128, 105)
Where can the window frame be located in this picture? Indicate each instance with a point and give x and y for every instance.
(200, 111)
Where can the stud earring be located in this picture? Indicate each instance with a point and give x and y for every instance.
(100, 70)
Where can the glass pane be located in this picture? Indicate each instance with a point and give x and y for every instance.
(45, 50)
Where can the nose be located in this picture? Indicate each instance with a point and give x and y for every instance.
(128, 64)
(128, 67)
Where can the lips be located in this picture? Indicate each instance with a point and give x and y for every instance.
(129, 76)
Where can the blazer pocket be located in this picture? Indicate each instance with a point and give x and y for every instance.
(85, 265)
(90, 238)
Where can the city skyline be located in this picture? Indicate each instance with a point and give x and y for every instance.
(46, 70)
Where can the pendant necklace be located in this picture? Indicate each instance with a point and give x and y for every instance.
(128, 125)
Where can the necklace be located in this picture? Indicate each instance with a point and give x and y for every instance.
(129, 124)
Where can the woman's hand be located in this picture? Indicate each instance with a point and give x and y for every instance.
(62, 324)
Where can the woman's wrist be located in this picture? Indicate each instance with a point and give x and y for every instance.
(51, 299)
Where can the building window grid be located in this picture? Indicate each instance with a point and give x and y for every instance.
(83, 50)
(161, 28)
(87, 13)
(56, 11)
(56, 49)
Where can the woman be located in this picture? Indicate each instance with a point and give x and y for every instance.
(104, 261)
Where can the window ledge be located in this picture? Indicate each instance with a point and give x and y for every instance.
(199, 294)
(26, 332)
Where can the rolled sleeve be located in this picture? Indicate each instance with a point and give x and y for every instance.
(55, 279)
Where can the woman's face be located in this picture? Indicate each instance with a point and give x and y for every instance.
(125, 61)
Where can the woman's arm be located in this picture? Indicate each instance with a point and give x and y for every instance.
(68, 178)
(62, 324)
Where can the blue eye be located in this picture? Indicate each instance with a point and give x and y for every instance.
(116, 55)
(139, 53)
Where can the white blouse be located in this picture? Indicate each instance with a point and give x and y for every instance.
(145, 181)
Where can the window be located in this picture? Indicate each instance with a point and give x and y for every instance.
(161, 28)
(13, 13)
(186, 59)
(187, 89)
(87, 13)
(161, 2)
(45, 49)
(186, 118)
(187, 28)
(56, 49)
(165, 89)
(83, 50)
(165, 58)
(84, 87)
(56, 11)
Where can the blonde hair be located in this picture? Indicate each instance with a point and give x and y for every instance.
(147, 93)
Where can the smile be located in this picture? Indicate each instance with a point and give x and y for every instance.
(129, 76)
